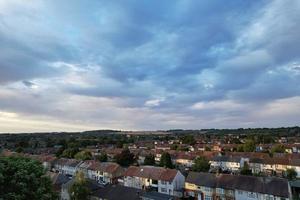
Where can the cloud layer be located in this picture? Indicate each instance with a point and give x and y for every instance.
(75, 65)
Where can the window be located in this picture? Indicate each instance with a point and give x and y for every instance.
(251, 195)
(206, 197)
(269, 197)
(164, 190)
(163, 182)
(190, 193)
(207, 189)
(240, 192)
(220, 190)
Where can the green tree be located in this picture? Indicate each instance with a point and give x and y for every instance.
(49, 142)
(125, 158)
(149, 160)
(166, 161)
(83, 155)
(102, 157)
(174, 147)
(183, 148)
(19, 149)
(235, 141)
(291, 174)
(59, 152)
(246, 170)
(63, 143)
(70, 152)
(249, 146)
(79, 189)
(240, 148)
(189, 139)
(201, 165)
(278, 148)
(23, 144)
(120, 144)
(23, 178)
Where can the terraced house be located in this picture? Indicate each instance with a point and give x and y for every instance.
(105, 172)
(274, 165)
(206, 186)
(162, 180)
(228, 163)
(101, 172)
(66, 166)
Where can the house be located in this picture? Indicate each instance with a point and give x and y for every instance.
(105, 172)
(200, 147)
(295, 188)
(185, 159)
(47, 161)
(142, 155)
(248, 154)
(113, 152)
(152, 195)
(259, 148)
(158, 154)
(206, 186)
(64, 195)
(162, 180)
(283, 140)
(58, 180)
(163, 147)
(292, 148)
(227, 163)
(66, 166)
(200, 186)
(217, 148)
(276, 165)
(256, 165)
(229, 147)
(83, 167)
(117, 192)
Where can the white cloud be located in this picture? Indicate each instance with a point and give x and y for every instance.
(217, 105)
(154, 102)
(114, 68)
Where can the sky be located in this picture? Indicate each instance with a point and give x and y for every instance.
(72, 65)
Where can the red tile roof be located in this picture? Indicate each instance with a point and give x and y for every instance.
(156, 173)
(108, 167)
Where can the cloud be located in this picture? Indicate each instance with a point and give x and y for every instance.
(148, 65)
(153, 102)
(29, 84)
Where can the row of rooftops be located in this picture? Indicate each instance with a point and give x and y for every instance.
(276, 161)
(109, 167)
(264, 185)
(254, 157)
